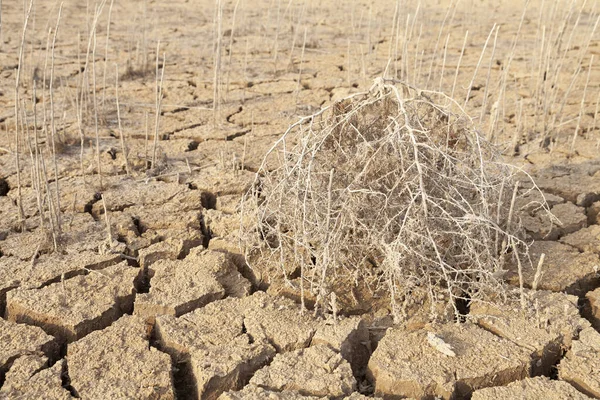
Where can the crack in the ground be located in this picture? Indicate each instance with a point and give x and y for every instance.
(66, 380)
(238, 134)
(238, 111)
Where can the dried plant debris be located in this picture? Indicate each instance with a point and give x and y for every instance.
(394, 187)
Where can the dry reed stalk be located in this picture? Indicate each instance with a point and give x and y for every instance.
(1, 37)
(582, 105)
(462, 52)
(17, 140)
(95, 103)
(395, 18)
(437, 42)
(52, 124)
(538, 272)
(276, 40)
(579, 65)
(106, 52)
(301, 66)
(477, 66)
(217, 65)
(121, 134)
(146, 140)
(417, 72)
(596, 112)
(158, 106)
(487, 80)
(443, 63)
(235, 8)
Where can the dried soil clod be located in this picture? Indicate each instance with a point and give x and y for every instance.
(565, 269)
(581, 365)
(222, 344)
(251, 392)
(315, 371)
(549, 324)
(592, 308)
(404, 363)
(29, 379)
(75, 307)
(531, 389)
(17, 340)
(118, 362)
(349, 337)
(586, 239)
(181, 286)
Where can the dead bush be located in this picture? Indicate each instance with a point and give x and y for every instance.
(395, 188)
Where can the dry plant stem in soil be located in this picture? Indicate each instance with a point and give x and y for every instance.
(393, 188)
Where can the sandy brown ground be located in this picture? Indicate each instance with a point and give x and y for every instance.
(151, 298)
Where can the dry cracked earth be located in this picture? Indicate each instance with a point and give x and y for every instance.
(147, 294)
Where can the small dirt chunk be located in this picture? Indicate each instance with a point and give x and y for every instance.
(565, 269)
(592, 308)
(315, 371)
(75, 307)
(593, 213)
(252, 392)
(170, 249)
(18, 340)
(48, 268)
(180, 286)
(349, 337)
(581, 365)
(119, 363)
(550, 322)
(278, 321)
(570, 181)
(586, 239)
(571, 217)
(29, 379)
(212, 349)
(405, 364)
(531, 389)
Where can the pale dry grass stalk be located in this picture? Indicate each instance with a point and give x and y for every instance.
(217, 65)
(298, 88)
(121, 134)
(159, 96)
(52, 124)
(17, 139)
(462, 53)
(391, 188)
(437, 42)
(476, 67)
(237, 3)
(487, 79)
(95, 103)
(110, 8)
(444, 63)
(538, 272)
(582, 106)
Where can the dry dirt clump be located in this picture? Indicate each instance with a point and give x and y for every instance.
(314, 371)
(581, 365)
(119, 363)
(394, 187)
(449, 361)
(531, 389)
(549, 324)
(218, 347)
(29, 379)
(75, 307)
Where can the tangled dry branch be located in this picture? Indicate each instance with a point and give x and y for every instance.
(393, 187)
